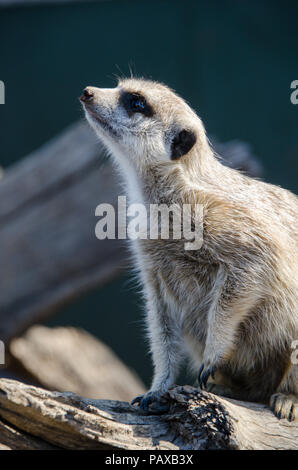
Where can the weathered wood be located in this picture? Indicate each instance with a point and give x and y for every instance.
(196, 420)
(66, 359)
(12, 439)
(49, 252)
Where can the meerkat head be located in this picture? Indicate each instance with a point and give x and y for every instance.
(143, 122)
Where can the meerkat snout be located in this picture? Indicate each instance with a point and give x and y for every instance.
(87, 95)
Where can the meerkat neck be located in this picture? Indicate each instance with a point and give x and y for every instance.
(164, 182)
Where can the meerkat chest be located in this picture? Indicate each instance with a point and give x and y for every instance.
(183, 284)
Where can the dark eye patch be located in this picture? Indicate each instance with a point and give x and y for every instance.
(135, 103)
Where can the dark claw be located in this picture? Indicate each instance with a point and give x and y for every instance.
(151, 403)
(204, 376)
(137, 400)
(145, 402)
(199, 375)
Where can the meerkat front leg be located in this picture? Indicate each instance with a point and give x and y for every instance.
(165, 344)
(228, 310)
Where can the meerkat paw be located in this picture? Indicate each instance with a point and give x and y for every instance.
(152, 403)
(284, 406)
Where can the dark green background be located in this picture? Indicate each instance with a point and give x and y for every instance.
(232, 60)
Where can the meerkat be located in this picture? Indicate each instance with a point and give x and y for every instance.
(230, 306)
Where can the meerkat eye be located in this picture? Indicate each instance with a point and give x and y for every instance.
(135, 103)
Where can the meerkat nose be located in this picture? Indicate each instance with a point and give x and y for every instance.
(87, 95)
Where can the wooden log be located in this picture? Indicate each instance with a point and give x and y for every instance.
(66, 359)
(13, 439)
(195, 420)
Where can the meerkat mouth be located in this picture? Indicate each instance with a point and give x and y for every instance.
(99, 120)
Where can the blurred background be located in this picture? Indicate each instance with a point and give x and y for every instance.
(232, 61)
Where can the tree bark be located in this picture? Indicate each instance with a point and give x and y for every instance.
(195, 420)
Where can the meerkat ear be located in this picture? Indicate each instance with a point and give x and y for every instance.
(182, 143)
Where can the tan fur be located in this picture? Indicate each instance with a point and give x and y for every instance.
(232, 304)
